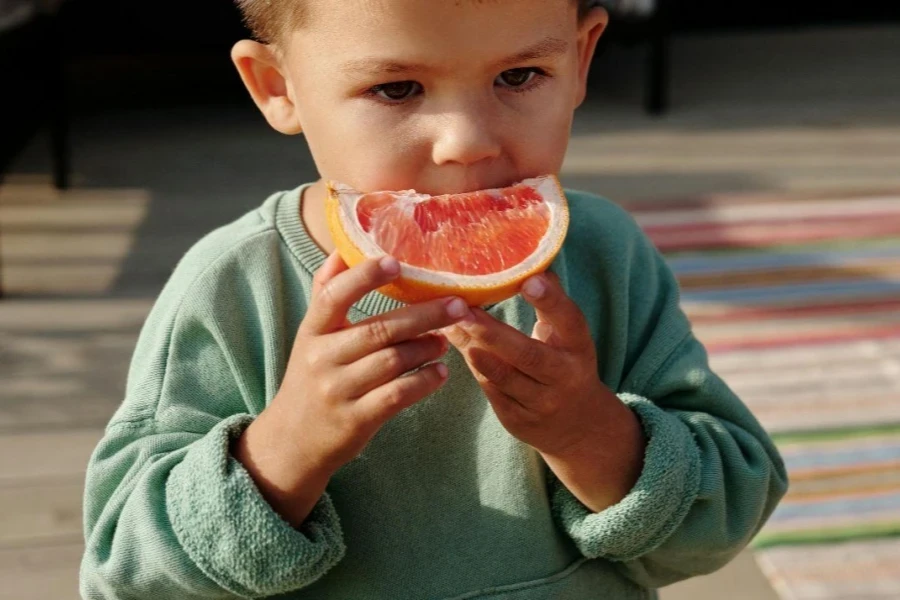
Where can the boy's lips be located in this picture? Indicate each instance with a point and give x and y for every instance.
(490, 184)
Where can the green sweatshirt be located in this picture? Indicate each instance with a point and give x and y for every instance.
(443, 503)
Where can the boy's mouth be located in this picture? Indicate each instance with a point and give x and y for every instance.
(423, 192)
(470, 187)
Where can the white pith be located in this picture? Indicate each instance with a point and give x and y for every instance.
(546, 186)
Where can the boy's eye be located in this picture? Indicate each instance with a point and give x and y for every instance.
(516, 77)
(398, 90)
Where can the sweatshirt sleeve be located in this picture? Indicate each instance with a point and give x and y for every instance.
(711, 475)
(168, 512)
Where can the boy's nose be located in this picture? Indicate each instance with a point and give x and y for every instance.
(464, 139)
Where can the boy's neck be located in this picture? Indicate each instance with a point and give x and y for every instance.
(312, 212)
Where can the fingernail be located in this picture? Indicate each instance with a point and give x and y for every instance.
(442, 370)
(389, 265)
(535, 287)
(457, 309)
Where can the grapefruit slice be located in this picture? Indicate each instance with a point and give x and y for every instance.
(480, 246)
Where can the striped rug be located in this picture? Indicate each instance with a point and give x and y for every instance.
(798, 301)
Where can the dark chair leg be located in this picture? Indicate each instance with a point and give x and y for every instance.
(59, 120)
(657, 91)
(59, 140)
(1, 256)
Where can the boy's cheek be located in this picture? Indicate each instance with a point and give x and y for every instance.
(370, 167)
(362, 153)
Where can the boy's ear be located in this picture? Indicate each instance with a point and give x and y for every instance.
(261, 72)
(590, 29)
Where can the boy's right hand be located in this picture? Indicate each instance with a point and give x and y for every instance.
(342, 383)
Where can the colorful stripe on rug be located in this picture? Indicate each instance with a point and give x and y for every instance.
(798, 302)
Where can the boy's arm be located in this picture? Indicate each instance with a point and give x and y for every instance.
(169, 513)
(711, 475)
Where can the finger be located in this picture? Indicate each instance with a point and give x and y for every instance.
(400, 325)
(328, 309)
(554, 307)
(534, 358)
(390, 363)
(332, 266)
(388, 400)
(489, 368)
(511, 413)
(505, 406)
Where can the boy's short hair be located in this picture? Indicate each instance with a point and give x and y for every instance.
(269, 19)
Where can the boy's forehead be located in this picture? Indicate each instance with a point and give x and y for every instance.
(436, 26)
(384, 12)
(376, 5)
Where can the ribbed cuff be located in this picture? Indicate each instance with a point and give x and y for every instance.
(233, 535)
(654, 508)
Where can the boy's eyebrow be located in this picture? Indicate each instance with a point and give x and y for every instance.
(546, 48)
(377, 66)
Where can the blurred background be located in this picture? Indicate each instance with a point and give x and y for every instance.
(758, 145)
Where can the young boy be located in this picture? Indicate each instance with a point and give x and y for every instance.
(278, 436)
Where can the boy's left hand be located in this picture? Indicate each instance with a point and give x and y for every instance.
(546, 392)
(545, 388)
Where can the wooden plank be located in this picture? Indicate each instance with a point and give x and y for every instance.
(72, 242)
(36, 456)
(740, 579)
(18, 190)
(90, 215)
(41, 572)
(71, 315)
(60, 279)
(66, 248)
(41, 513)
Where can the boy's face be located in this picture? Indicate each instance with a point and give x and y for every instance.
(440, 96)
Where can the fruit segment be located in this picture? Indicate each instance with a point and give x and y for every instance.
(468, 234)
